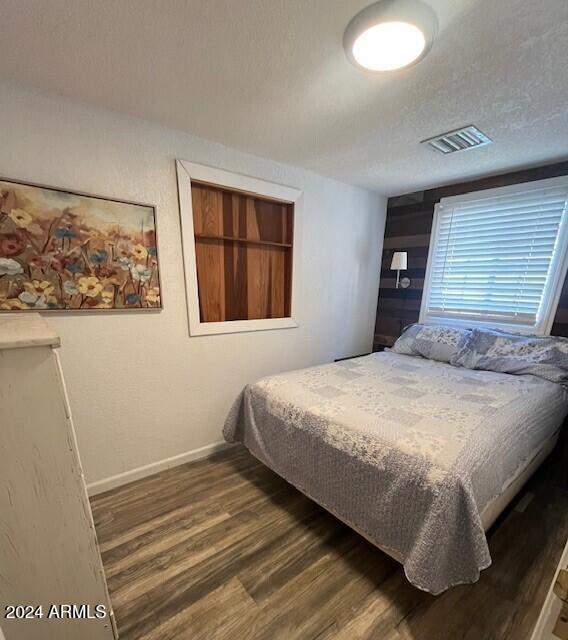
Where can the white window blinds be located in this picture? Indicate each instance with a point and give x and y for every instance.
(498, 256)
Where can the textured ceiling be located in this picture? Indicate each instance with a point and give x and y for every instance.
(270, 77)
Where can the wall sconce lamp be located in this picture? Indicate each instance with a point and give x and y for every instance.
(400, 263)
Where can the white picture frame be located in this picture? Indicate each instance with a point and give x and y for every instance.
(186, 171)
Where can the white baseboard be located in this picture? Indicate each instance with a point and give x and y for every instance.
(149, 469)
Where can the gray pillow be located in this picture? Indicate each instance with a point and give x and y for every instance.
(404, 343)
(494, 350)
(435, 342)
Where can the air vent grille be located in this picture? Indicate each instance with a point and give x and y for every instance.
(459, 140)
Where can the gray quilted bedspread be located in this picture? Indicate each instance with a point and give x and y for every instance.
(407, 450)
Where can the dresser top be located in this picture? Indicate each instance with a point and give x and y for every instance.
(20, 330)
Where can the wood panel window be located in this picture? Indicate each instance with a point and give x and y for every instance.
(243, 252)
(241, 236)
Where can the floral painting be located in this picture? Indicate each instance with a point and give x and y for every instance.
(64, 250)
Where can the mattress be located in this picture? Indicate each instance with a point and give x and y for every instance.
(513, 485)
(408, 451)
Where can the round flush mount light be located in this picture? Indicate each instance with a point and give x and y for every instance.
(390, 34)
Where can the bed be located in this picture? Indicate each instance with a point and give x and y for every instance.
(418, 456)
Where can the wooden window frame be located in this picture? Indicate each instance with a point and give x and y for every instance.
(188, 171)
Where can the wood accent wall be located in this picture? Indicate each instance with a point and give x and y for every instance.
(243, 247)
(408, 227)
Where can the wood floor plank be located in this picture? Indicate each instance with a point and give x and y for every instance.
(283, 607)
(214, 616)
(304, 546)
(189, 553)
(182, 578)
(126, 495)
(177, 490)
(194, 510)
(223, 548)
(149, 546)
(381, 612)
(340, 588)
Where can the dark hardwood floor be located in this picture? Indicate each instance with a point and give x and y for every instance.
(225, 549)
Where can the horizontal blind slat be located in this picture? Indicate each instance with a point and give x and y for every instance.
(521, 318)
(515, 243)
(506, 231)
(519, 217)
(487, 308)
(521, 199)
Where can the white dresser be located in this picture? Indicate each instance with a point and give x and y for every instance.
(553, 620)
(48, 548)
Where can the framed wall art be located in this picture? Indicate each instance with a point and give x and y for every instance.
(64, 250)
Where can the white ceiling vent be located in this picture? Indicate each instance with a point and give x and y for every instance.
(459, 140)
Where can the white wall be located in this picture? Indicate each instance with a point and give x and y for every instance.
(141, 389)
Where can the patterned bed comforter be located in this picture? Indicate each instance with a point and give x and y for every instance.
(407, 450)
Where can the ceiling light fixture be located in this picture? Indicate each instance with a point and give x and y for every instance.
(390, 34)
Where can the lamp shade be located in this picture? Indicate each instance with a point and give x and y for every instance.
(399, 261)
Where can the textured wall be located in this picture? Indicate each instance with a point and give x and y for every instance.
(141, 389)
(277, 68)
(408, 226)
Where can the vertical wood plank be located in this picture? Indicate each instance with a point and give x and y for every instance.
(229, 255)
(288, 261)
(241, 280)
(241, 275)
(196, 192)
(269, 221)
(278, 282)
(254, 264)
(210, 256)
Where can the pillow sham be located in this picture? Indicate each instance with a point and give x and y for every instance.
(404, 343)
(494, 350)
(435, 342)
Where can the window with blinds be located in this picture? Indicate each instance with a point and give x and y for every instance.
(498, 257)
